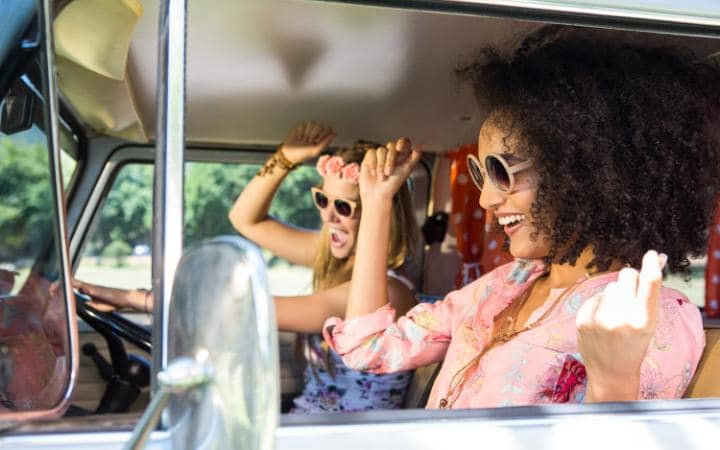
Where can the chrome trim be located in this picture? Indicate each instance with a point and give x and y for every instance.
(182, 376)
(532, 8)
(236, 335)
(264, 307)
(85, 440)
(53, 135)
(613, 11)
(52, 113)
(168, 176)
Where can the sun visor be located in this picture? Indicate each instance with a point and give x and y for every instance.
(92, 43)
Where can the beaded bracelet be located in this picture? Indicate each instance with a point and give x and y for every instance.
(277, 158)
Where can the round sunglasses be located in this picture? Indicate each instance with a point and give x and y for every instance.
(499, 171)
(343, 207)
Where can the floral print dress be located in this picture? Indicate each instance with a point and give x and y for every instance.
(331, 386)
(542, 365)
(345, 389)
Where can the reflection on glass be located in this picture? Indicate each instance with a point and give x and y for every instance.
(33, 333)
(68, 164)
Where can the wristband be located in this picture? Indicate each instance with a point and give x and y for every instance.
(277, 158)
(284, 162)
(145, 300)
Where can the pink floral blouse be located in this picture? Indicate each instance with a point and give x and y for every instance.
(542, 365)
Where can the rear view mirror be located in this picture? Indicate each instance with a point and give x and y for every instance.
(17, 109)
(223, 374)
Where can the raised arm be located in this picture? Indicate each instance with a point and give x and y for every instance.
(249, 214)
(308, 313)
(383, 172)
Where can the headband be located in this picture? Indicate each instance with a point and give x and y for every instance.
(335, 166)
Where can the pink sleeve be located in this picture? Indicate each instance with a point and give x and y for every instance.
(674, 351)
(379, 344)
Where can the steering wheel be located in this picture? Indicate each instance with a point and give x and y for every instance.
(126, 374)
(112, 323)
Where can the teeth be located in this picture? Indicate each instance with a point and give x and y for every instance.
(506, 220)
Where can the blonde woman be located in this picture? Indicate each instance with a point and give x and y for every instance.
(330, 251)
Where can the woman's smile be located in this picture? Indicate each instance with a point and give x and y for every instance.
(510, 222)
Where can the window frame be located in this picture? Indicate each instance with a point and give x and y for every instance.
(137, 153)
(28, 61)
(653, 16)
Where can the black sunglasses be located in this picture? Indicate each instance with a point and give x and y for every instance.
(343, 207)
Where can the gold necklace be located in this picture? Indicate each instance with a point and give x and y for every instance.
(506, 334)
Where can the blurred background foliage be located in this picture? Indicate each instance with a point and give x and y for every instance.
(125, 219)
(26, 198)
(210, 191)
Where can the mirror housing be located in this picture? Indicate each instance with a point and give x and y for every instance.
(224, 371)
(17, 109)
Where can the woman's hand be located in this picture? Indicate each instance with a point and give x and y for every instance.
(98, 302)
(615, 329)
(385, 169)
(307, 140)
(107, 299)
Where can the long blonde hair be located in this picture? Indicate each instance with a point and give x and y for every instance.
(329, 271)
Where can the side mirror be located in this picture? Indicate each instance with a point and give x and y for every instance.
(222, 385)
(17, 109)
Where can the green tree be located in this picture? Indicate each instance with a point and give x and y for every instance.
(127, 213)
(118, 251)
(25, 189)
(210, 191)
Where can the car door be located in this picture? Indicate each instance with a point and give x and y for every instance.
(661, 424)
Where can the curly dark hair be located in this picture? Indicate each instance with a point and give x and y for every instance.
(624, 137)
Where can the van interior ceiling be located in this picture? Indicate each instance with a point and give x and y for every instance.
(256, 67)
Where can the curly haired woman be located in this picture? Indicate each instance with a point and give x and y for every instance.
(594, 158)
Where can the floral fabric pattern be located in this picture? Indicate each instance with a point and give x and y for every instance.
(346, 389)
(542, 365)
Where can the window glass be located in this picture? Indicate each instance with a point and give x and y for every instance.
(211, 190)
(117, 251)
(68, 164)
(25, 190)
(34, 345)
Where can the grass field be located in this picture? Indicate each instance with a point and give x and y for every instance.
(284, 279)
